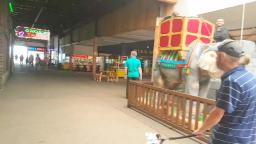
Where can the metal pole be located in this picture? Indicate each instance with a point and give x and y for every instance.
(242, 25)
(95, 54)
(58, 59)
(37, 16)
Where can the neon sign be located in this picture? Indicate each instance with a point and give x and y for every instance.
(11, 7)
(32, 33)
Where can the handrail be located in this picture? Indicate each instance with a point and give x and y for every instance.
(182, 111)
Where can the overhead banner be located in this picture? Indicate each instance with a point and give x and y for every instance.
(32, 33)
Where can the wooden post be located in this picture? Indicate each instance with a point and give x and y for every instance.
(166, 9)
(95, 54)
(155, 49)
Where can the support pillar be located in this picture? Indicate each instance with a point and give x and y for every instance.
(166, 9)
(58, 50)
(5, 42)
(155, 49)
(95, 54)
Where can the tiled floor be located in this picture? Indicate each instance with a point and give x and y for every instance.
(56, 107)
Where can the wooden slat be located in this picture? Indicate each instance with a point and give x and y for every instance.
(190, 114)
(153, 100)
(197, 114)
(184, 101)
(154, 94)
(158, 103)
(139, 95)
(172, 108)
(149, 102)
(168, 107)
(177, 109)
(145, 98)
(165, 105)
(161, 104)
(146, 103)
(134, 93)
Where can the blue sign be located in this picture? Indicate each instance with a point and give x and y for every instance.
(32, 49)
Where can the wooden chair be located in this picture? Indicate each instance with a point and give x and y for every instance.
(113, 76)
(101, 75)
(98, 77)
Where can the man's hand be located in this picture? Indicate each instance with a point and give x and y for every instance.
(214, 118)
(125, 77)
(140, 78)
(199, 133)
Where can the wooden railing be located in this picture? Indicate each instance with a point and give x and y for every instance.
(179, 110)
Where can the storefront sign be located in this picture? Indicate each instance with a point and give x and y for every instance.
(81, 56)
(36, 49)
(32, 33)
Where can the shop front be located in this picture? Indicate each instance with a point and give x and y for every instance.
(78, 58)
(115, 57)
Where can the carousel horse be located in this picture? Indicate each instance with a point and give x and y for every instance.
(201, 69)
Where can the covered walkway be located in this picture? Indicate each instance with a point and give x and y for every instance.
(57, 107)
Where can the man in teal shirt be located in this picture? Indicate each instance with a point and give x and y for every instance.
(133, 67)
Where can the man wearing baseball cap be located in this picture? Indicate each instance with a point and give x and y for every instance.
(233, 120)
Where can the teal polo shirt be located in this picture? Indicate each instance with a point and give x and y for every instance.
(133, 64)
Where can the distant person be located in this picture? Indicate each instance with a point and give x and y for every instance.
(221, 32)
(21, 59)
(27, 61)
(38, 60)
(16, 57)
(31, 61)
(133, 69)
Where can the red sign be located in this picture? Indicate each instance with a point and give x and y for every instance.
(80, 56)
(41, 49)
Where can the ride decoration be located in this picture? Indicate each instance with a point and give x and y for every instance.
(176, 36)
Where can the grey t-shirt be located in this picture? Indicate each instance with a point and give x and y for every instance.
(221, 34)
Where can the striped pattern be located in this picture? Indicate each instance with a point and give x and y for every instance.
(237, 96)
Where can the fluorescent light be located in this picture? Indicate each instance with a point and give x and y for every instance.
(11, 7)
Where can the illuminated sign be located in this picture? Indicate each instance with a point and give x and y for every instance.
(11, 7)
(81, 56)
(36, 49)
(40, 49)
(32, 33)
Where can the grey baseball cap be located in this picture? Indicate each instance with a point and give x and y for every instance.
(230, 47)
